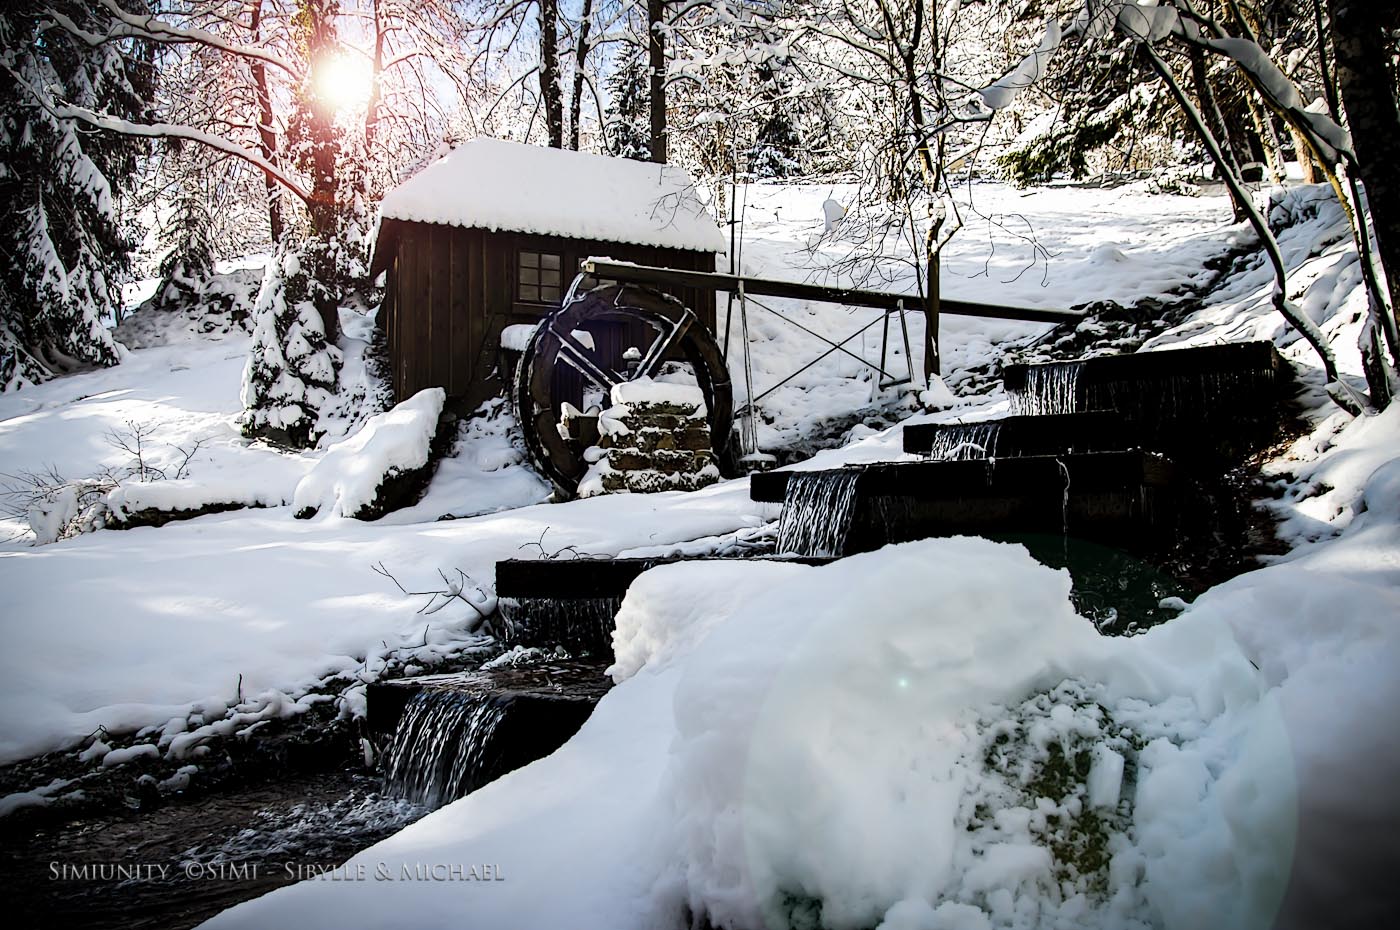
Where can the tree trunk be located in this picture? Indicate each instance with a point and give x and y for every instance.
(656, 67)
(1368, 92)
(1210, 109)
(320, 150)
(549, 73)
(377, 68)
(267, 136)
(585, 25)
(1336, 388)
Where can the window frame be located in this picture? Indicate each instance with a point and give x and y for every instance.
(534, 261)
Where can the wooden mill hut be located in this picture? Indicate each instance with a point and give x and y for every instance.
(491, 235)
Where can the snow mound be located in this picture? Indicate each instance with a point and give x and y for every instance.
(662, 618)
(216, 307)
(348, 479)
(852, 742)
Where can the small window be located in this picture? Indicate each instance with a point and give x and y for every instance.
(539, 277)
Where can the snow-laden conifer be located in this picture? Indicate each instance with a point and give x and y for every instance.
(64, 244)
(289, 381)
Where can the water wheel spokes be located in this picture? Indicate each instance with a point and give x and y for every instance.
(539, 390)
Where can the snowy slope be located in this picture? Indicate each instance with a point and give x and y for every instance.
(1052, 247)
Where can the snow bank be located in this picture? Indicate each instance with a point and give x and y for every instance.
(909, 738)
(348, 479)
(159, 624)
(571, 194)
(898, 747)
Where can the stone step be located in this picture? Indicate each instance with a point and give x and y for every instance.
(1050, 434)
(1210, 404)
(573, 681)
(572, 602)
(586, 577)
(1120, 498)
(535, 709)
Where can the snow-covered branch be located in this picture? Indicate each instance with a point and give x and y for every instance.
(151, 29)
(111, 123)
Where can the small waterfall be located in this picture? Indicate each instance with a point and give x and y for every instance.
(1180, 396)
(582, 625)
(1048, 389)
(960, 442)
(441, 749)
(817, 512)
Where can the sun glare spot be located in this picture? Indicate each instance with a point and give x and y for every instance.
(345, 81)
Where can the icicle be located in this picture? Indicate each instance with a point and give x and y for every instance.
(817, 512)
(440, 750)
(965, 441)
(1049, 389)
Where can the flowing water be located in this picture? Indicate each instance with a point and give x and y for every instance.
(1048, 389)
(442, 747)
(960, 442)
(817, 512)
(582, 625)
(182, 863)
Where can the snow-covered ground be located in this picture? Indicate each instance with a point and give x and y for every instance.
(783, 736)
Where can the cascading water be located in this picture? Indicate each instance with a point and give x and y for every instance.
(441, 750)
(817, 512)
(960, 442)
(582, 625)
(1178, 396)
(1049, 389)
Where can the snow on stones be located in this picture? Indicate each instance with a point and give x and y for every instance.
(654, 437)
(357, 477)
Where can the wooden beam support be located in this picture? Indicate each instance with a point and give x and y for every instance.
(761, 287)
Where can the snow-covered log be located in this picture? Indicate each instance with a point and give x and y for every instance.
(374, 470)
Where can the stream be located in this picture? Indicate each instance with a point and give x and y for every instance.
(177, 866)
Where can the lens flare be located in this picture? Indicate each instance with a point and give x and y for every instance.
(345, 81)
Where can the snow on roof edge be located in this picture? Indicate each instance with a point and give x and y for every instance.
(504, 186)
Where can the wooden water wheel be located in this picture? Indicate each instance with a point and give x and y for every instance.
(635, 314)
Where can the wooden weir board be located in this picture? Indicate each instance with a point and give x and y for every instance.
(1044, 474)
(567, 579)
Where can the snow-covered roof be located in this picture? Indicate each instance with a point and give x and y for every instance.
(509, 187)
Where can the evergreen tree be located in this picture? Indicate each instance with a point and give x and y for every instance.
(187, 238)
(778, 150)
(64, 245)
(628, 114)
(289, 381)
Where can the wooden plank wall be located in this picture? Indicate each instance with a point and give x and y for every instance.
(451, 291)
